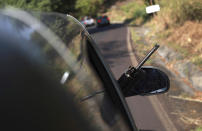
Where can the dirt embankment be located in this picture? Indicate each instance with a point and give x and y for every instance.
(185, 39)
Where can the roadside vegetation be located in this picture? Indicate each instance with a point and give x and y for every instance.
(63, 6)
(135, 13)
(198, 129)
(130, 12)
(179, 25)
(77, 8)
(141, 47)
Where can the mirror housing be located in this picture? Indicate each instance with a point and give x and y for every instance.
(146, 81)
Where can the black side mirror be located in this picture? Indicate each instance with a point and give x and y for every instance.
(146, 81)
(142, 80)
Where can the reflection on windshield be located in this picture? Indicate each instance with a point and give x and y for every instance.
(91, 95)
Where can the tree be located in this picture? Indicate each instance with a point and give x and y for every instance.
(88, 7)
(63, 6)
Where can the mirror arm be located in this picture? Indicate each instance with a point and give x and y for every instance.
(147, 56)
(132, 70)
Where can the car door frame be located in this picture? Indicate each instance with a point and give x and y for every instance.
(108, 79)
(106, 76)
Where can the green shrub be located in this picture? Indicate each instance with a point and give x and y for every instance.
(88, 7)
(135, 10)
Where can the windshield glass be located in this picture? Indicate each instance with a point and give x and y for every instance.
(61, 41)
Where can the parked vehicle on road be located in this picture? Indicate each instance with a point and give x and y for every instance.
(102, 21)
(53, 77)
(87, 21)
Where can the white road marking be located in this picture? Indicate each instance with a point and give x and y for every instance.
(162, 114)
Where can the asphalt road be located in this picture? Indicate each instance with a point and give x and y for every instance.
(112, 40)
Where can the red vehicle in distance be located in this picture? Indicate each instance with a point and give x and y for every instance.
(102, 21)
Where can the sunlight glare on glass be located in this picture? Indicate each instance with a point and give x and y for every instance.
(64, 77)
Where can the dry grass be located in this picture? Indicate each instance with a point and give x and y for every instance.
(116, 15)
(189, 118)
(198, 96)
(179, 24)
(186, 39)
(129, 11)
(141, 48)
(198, 129)
(189, 35)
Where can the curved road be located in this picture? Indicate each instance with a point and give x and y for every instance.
(112, 40)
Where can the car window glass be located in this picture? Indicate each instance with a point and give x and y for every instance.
(89, 92)
(63, 44)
